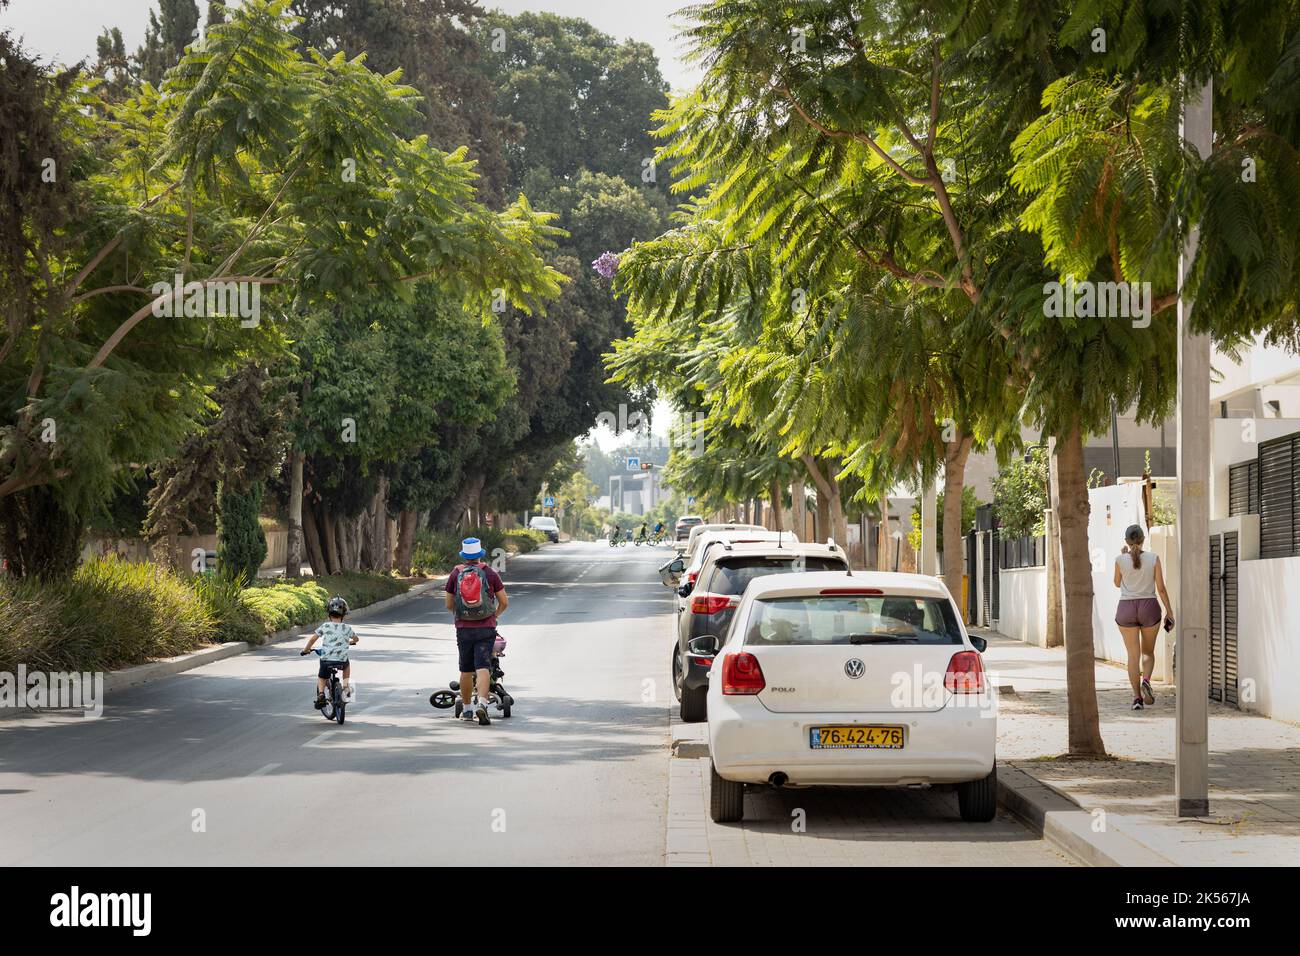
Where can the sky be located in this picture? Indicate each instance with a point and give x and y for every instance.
(64, 31)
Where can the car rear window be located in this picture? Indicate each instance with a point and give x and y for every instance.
(732, 575)
(823, 619)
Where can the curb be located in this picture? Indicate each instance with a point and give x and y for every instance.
(1061, 821)
(170, 666)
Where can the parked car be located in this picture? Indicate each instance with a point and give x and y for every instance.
(546, 525)
(694, 534)
(684, 525)
(706, 542)
(862, 679)
(713, 599)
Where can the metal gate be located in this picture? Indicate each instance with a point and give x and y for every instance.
(1223, 617)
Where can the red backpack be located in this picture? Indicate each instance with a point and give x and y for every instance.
(474, 598)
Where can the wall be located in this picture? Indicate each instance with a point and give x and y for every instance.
(1234, 440)
(1268, 636)
(1023, 604)
(135, 549)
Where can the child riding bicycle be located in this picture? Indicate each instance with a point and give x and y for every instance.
(335, 637)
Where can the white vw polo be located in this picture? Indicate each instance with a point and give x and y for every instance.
(850, 679)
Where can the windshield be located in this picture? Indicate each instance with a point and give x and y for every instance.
(822, 619)
(733, 574)
(543, 522)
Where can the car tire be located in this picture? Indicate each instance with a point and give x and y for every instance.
(726, 798)
(695, 704)
(676, 666)
(978, 799)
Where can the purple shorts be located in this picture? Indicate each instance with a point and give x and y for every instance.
(1138, 612)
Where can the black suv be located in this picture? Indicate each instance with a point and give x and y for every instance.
(713, 599)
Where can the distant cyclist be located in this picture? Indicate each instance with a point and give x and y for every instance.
(643, 533)
(477, 596)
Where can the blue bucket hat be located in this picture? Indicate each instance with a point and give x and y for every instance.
(472, 549)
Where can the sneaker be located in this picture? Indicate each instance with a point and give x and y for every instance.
(481, 712)
(1147, 695)
(1137, 703)
(320, 702)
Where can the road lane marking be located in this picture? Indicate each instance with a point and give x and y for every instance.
(265, 770)
(318, 739)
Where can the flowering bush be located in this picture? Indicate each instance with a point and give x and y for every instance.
(606, 264)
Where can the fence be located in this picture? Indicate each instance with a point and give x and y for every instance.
(1027, 552)
(1269, 487)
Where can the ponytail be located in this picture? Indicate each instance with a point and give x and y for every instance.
(1134, 536)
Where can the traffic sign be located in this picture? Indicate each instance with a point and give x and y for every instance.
(690, 499)
(548, 501)
(634, 464)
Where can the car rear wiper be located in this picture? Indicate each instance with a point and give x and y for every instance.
(881, 639)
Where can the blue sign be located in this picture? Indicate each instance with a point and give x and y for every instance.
(690, 499)
(634, 464)
(548, 502)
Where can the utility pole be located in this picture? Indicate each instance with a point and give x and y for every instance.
(929, 563)
(1191, 756)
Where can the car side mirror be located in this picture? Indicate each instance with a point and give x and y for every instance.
(705, 646)
(670, 574)
(980, 643)
(685, 589)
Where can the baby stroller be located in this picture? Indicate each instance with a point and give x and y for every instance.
(497, 695)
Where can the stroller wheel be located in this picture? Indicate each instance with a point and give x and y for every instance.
(442, 699)
(460, 707)
(505, 707)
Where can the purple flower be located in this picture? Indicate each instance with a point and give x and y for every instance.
(606, 264)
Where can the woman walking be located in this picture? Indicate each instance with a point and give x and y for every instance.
(1139, 577)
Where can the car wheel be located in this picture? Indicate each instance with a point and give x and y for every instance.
(726, 798)
(694, 704)
(978, 799)
(677, 673)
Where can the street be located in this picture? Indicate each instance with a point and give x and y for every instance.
(228, 763)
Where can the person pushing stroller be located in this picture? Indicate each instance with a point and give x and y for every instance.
(476, 595)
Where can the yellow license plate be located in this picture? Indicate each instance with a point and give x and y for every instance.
(856, 737)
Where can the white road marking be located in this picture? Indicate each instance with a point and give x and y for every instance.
(318, 739)
(264, 770)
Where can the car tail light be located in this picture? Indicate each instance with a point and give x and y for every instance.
(741, 674)
(705, 603)
(965, 673)
(690, 578)
(851, 591)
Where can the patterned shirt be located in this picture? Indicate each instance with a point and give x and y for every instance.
(334, 637)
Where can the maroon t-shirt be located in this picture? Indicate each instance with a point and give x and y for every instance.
(494, 581)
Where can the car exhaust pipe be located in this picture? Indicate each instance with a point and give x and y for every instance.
(778, 779)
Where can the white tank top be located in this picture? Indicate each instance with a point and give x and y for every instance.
(1137, 582)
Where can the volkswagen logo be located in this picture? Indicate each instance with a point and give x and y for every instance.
(854, 668)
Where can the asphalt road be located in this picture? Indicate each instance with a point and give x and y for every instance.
(229, 763)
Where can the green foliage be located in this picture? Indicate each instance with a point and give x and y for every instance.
(108, 614)
(241, 544)
(1020, 495)
(284, 603)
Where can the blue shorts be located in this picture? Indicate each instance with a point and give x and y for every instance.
(328, 667)
(475, 647)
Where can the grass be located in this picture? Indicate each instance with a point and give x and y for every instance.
(112, 613)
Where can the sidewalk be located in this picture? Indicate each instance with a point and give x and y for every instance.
(1254, 763)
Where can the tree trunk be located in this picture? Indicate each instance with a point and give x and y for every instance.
(312, 538)
(293, 562)
(406, 522)
(1055, 635)
(380, 543)
(778, 512)
(954, 481)
(830, 510)
(1085, 726)
(799, 510)
(885, 550)
(329, 534)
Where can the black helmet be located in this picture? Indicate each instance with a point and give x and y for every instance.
(337, 606)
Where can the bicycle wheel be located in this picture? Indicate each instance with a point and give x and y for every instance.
(340, 708)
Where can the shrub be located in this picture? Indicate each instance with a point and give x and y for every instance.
(241, 545)
(109, 614)
(222, 594)
(288, 602)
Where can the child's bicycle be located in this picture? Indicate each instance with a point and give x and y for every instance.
(497, 695)
(336, 702)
